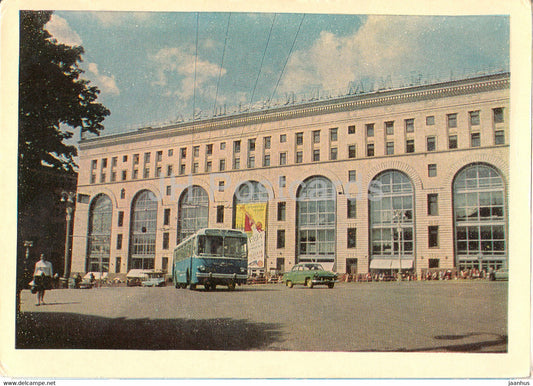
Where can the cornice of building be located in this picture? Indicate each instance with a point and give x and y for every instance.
(341, 104)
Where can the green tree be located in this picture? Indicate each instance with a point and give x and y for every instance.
(54, 102)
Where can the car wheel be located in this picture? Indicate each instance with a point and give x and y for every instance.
(309, 283)
(192, 287)
(289, 284)
(331, 285)
(231, 286)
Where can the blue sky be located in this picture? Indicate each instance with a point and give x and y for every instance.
(147, 64)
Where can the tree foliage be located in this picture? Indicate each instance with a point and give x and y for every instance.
(53, 101)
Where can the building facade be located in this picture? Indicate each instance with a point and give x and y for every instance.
(415, 177)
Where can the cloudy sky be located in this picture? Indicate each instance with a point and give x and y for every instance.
(160, 67)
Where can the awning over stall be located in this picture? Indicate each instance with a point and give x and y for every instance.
(390, 264)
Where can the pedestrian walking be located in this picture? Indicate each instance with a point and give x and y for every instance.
(42, 278)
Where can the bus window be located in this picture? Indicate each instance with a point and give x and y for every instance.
(210, 245)
(235, 247)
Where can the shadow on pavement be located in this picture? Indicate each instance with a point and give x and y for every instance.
(43, 330)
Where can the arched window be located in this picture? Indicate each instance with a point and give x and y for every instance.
(99, 234)
(193, 211)
(316, 221)
(479, 218)
(143, 230)
(391, 220)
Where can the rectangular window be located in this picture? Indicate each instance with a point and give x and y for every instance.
(389, 127)
(135, 174)
(237, 163)
(432, 170)
(474, 118)
(369, 129)
(266, 160)
(113, 176)
(120, 218)
(195, 168)
(316, 136)
(183, 152)
(119, 241)
(299, 157)
(102, 177)
(222, 165)
(351, 129)
(169, 170)
(136, 159)
(170, 152)
(499, 137)
(370, 150)
(351, 175)
(220, 214)
(146, 158)
(182, 169)
(281, 239)
(124, 175)
(316, 155)
(352, 208)
(124, 158)
(158, 171)
(433, 237)
(333, 153)
(169, 190)
(236, 146)
(283, 158)
(299, 139)
(389, 150)
(430, 120)
(164, 264)
(281, 211)
(222, 145)
(433, 263)
(283, 138)
(410, 146)
(251, 144)
(166, 216)
(430, 143)
(166, 239)
(333, 134)
(208, 166)
(159, 156)
(351, 237)
(196, 151)
(267, 141)
(209, 149)
(104, 163)
(282, 181)
(114, 161)
(497, 115)
(221, 186)
(451, 120)
(146, 173)
(351, 151)
(118, 262)
(409, 125)
(475, 139)
(452, 142)
(433, 204)
(251, 161)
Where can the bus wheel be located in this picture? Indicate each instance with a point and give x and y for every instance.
(192, 287)
(207, 286)
(176, 284)
(289, 284)
(183, 285)
(231, 286)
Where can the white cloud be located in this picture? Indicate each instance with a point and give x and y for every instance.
(397, 46)
(176, 74)
(62, 32)
(106, 83)
(109, 18)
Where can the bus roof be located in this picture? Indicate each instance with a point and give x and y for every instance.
(216, 232)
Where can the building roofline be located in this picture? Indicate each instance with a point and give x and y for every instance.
(339, 104)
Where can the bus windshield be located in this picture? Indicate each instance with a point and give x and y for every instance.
(235, 247)
(222, 246)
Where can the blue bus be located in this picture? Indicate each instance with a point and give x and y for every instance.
(211, 257)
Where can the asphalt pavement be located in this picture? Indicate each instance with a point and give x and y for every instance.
(435, 316)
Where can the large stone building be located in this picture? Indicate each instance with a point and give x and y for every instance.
(416, 176)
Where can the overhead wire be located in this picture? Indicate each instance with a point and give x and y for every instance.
(221, 65)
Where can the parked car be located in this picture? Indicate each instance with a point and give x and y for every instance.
(499, 274)
(154, 279)
(309, 274)
(89, 280)
(135, 276)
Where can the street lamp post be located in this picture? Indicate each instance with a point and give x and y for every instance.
(27, 245)
(398, 214)
(70, 199)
